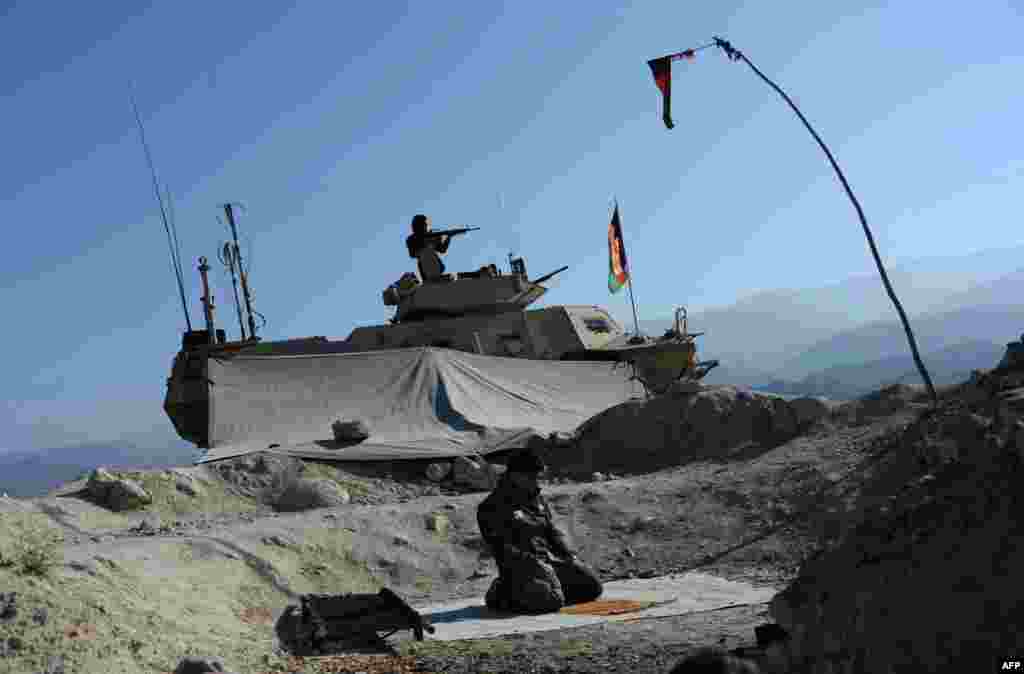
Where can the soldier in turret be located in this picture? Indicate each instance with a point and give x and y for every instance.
(537, 572)
(427, 248)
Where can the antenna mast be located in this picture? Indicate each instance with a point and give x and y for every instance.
(241, 271)
(227, 258)
(171, 240)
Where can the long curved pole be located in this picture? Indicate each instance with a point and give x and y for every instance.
(736, 55)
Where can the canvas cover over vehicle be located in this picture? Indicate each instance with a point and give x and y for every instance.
(418, 403)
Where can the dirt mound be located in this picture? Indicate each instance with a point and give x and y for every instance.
(670, 430)
(927, 580)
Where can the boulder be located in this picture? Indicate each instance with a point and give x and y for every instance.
(184, 482)
(305, 493)
(808, 411)
(438, 470)
(350, 431)
(116, 493)
(475, 473)
(199, 665)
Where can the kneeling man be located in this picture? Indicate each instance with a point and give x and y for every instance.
(537, 573)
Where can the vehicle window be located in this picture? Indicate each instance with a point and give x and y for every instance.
(598, 325)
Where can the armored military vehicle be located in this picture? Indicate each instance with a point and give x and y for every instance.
(483, 312)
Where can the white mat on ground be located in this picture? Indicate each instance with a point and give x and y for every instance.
(418, 403)
(470, 619)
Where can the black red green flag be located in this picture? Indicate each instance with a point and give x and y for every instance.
(661, 68)
(618, 268)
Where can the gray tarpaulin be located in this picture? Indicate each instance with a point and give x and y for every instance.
(418, 403)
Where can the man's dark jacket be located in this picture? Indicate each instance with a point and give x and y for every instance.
(516, 523)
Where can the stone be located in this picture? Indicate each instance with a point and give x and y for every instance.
(184, 482)
(477, 474)
(350, 431)
(87, 566)
(306, 493)
(199, 665)
(40, 615)
(279, 541)
(54, 665)
(597, 477)
(438, 470)
(116, 493)
(8, 607)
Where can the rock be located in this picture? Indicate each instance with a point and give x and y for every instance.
(305, 493)
(184, 482)
(87, 566)
(116, 493)
(40, 615)
(808, 411)
(350, 431)
(199, 665)
(438, 471)
(477, 474)
(597, 477)
(280, 541)
(54, 665)
(8, 607)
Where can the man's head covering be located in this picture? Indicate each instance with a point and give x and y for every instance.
(525, 461)
(419, 224)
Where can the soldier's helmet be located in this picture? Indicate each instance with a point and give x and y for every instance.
(419, 224)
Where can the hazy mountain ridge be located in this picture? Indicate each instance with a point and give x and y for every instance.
(765, 332)
(949, 365)
(31, 473)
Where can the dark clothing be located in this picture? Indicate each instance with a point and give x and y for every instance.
(427, 251)
(536, 570)
(416, 242)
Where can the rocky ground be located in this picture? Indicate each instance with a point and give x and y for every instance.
(208, 563)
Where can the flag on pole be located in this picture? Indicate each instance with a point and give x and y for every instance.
(661, 68)
(618, 268)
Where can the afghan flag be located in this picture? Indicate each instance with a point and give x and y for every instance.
(618, 269)
(661, 68)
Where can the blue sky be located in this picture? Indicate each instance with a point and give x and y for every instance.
(335, 125)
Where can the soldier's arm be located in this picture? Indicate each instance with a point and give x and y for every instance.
(495, 529)
(556, 539)
(442, 247)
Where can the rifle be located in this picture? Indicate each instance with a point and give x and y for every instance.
(449, 232)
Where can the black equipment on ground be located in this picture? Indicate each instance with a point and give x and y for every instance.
(347, 619)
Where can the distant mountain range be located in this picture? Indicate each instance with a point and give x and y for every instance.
(812, 342)
(844, 382)
(34, 473)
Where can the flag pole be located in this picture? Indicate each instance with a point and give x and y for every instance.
(636, 323)
(629, 282)
(736, 55)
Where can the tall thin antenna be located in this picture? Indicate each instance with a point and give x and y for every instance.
(174, 230)
(227, 258)
(246, 295)
(175, 263)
